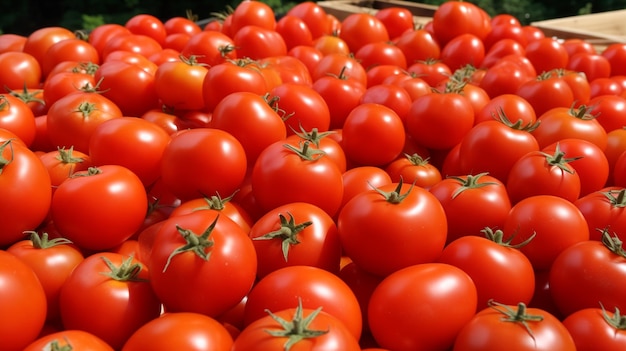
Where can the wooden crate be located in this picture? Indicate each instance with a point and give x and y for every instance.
(600, 29)
(422, 13)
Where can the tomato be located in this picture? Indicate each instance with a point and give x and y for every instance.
(412, 84)
(257, 42)
(608, 111)
(603, 209)
(543, 173)
(515, 327)
(546, 54)
(578, 82)
(18, 118)
(290, 69)
(294, 31)
(576, 45)
(504, 77)
(71, 49)
(229, 77)
(296, 234)
(340, 65)
(499, 271)
(75, 339)
(132, 99)
(38, 42)
(179, 24)
(603, 281)
(432, 71)
(130, 142)
(440, 120)
(616, 54)
(566, 122)
(313, 15)
(102, 34)
(595, 327)
(325, 142)
(109, 296)
(592, 65)
(330, 44)
(397, 20)
(33, 98)
(372, 135)
(341, 94)
(61, 84)
(471, 203)
(413, 218)
(11, 42)
(63, 163)
(556, 224)
(282, 288)
(464, 49)
(589, 162)
(24, 299)
(418, 45)
(362, 178)
(133, 58)
(536, 90)
(355, 24)
(210, 48)
(80, 216)
(26, 188)
(180, 331)
(300, 328)
(396, 315)
(252, 13)
(619, 170)
(20, 70)
(296, 172)
(137, 43)
(380, 53)
(168, 121)
(303, 107)
(414, 169)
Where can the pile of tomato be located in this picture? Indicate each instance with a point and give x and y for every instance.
(310, 183)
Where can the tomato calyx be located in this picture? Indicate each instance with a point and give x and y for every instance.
(26, 95)
(216, 202)
(616, 201)
(617, 321)
(516, 316)
(195, 243)
(464, 74)
(582, 112)
(66, 156)
(91, 171)
(502, 117)
(86, 67)
(55, 346)
(298, 328)
(43, 242)
(192, 60)
(558, 159)
(126, 272)
(272, 101)
(288, 233)
(3, 160)
(395, 196)
(470, 182)
(417, 160)
(497, 237)
(4, 103)
(613, 243)
(305, 151)
(314, 136)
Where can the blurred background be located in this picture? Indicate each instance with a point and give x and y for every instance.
(24, 16)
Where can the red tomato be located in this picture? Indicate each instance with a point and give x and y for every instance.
(536, 90)
(556, 224)
(23, 298)
(546, 54)
(362, 178)
(106, 292)
(257, 42)
(418, 45)
(290, 69)
(592, 65)
(616, 54)
(61, 84)
(38, 42)
(380, 53)
(178, 84)
(63, 163)
(34, 99)
(396, 315)
(18, 118)
(340, 65)
(229, 77)
(11, 42)
(432, 71)
(603, 279)
(130, 142)
(454, 18)
(179, 24)
(180, 331)
(413, 85)
(71, 49)
(137, 43)
(100, 36)
(300, 328)
(203, 161)
(603, 209)
(325, 142)
(578, 82)
(341, 94)
(397, 20)
(303, 107)
(464, 49)
(609, 111)
(283, 288)
(20, 70)
(594, 327)
(576, 45)
(296, 234)
(75, 339)
(355, 24)
(148, 25)
(413, 218)
(414, 169)
(566, 122)
(255, 13)
(210, 48)
(294, 31)
(314, 16)
(26, 188)
(513, 327)
(504, 77)
(201, 256)
(99, 208)
(502, 48)
(471, 203)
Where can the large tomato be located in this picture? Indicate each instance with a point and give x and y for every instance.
(109, 296)
(595, 328)
(17, 117)
(355, 24)
(23, 298)
(547, 54)
(398, 316)
(71, 49)
(604, 209)
(74, 339)
(99, 208)
(392, 227)
(256, 42)
(178, 84)
(26, 189)
(303, 107)
(20, 70)
(507, 326)
(201, 262)
(229, 77)
(565, 122)
(341, 94)
(546, 84)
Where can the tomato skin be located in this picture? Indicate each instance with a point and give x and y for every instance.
(489, 330)
(616, 54)
(294, 31)
(546, 54)
(23, 298)
(256, 337)
(355, 24)
(396, 316)
(416, 226)
(603, 280)
(77, 339)
(590, 330)
(203, 161)
(90, 299)
(210, 48)
(608, 111)
(464, 49)
(218, 282)
(556, 223)
(17, 117)
(418, 45)
(26, 188)
(504, 77)
(11, 42)
(60, 84)
(362, 178)
(147, 25)
(257, 42)
(316, 287)
(397, 20)
(180, 331)
(252, 13)
(454, 18)
(20, 70)
(603, 209)
(78, 214)
(380, 53)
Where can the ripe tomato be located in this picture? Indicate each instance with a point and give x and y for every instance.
(515, 108)
(314, 16)
(11, 42)
(178, 84)
(340, 65)
(514, 327)
(464, 49)
(500, 49)
(255, 13)
(71, 49)
(180, 331)
(20, 70)
(100, 36)
(355, 24)
(18, 118)
(603, 281)
(413, 218)
(594, 327)
(414, 169)
(210, 48)
(203, 161)
(297, 328)
(397, 20)
(504, 77)
(609, 111)
(74, 339)
(38, 42)
(324, 141)
(341, 94)
(616, 54)
(566, 122)
(592, 65)
(294, 31)
(130, 142)
(282, 289)
(136, 43)
(304, 108)
(23, 298)
(290, 69)
(109, 296)
(229, 77)
(418, 45)
(147, 25)
(362, 178)
(380, 53)
(546, 54)
(257, 42)
(536, 90)
(556, 224)
(396, 315)
(603, 209)
(60, 84)
(26, 188)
